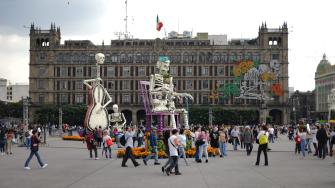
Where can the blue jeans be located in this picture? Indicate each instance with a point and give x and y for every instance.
(271, 139)
(203, 148)
(223, 147)
(28, 142)
(32, 153)
(196, 152)
(302, 146)
(154, 153)
(235, 141)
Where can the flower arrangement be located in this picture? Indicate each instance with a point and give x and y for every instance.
(75, 138)
(141, 153)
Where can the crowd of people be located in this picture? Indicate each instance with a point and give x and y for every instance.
(315, 139)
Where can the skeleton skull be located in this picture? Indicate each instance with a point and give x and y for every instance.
(163, 65)
(100, 58)
(275, 65)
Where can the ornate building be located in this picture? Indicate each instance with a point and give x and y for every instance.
(198, 66)
(324, 83)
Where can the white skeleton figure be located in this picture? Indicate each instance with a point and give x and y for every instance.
(275, 66)
(162, 92)
(117, 118)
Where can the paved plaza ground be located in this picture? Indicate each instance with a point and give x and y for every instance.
(70, 167)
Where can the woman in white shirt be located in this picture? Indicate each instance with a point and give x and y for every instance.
(314, 140)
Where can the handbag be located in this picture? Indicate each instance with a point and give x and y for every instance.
(199, 142)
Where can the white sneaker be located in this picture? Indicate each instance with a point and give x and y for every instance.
(96, 158)
(27, 168)
(45, 165)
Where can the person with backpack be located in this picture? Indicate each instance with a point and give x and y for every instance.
(128, 137)
(153, 144)
(262, 138)
(35, 140)
(107, 144)
(92, 144)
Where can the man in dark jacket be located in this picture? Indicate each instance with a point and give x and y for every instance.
(153, 144)
(322, 138)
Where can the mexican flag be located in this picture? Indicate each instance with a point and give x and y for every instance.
(159, 24)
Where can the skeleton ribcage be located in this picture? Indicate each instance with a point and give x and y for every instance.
(158, 82)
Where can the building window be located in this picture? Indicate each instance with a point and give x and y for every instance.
(64, 98)
(41, 98)
(173, 71)
(79, 99)
(79, 71)
(63, 84)
(110, 71)
(115, 58)
(189, 84)
(220, 71)
(42, 71)
(91, 58)
(204, 71)
(275, 56)
(126, 99)
(224, 58)
(126, 71)
(204, 99)
(110, 85)
(40, 84)
(138, 58)
(189, 71)
(123, 58)
(205, 84)
(185, 57)
(126, 85)
(79, 85)
(42, 56)
(141, 71)
(256, 57)
(60, 57)
(63, 71)
(130, 58)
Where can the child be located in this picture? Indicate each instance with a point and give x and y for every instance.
(107, 144)
(297, 140)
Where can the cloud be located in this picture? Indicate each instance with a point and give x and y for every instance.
(14, 58)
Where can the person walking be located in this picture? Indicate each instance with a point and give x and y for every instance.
(92, 144)
(129, 145)
(174, 143)
(297, 140)
(262, 138)
(181, 148)
(35, 140)
(204, 136)
(153, 144)
(9, 140)
(2, 141)
(214, 139)
(322, 138)
(235, 134)
(302, 134)
(107, 144)
(166, 136)
(314, 140)
(197, 142)
(248, 140)
(223, 138)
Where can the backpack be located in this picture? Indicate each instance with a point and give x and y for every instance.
(123, 140)
(109, 142)
(263, 139)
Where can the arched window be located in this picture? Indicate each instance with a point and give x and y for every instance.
(202, 57)
(217, 57)
(194, 57)
(123, 58)
(138, 58)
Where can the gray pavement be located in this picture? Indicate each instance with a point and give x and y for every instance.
(70, 167)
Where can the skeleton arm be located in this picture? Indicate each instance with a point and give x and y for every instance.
(86, 82)
(124, 119)
(109, 99)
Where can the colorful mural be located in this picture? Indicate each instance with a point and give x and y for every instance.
(252, 81)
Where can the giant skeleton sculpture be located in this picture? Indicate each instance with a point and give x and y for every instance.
(163, 94)
(96, 114)
(117, 118)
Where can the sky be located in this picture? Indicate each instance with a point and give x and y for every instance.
(310, 24)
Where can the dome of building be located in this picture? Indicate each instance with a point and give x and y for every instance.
(324, 65)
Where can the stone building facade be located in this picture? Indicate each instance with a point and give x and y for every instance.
(324, 83)
(198, 67)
